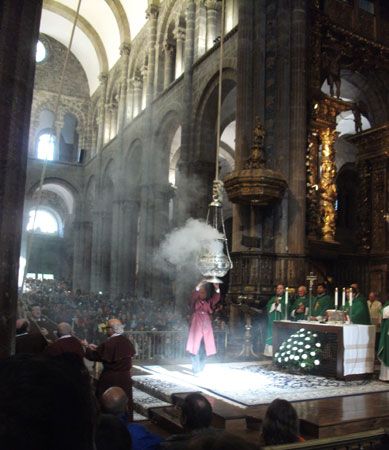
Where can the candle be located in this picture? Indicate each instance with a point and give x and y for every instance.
(351, 297)
(344, 297)
(336, 298)
(286, 302)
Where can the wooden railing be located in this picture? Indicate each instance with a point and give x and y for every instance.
(373, 440)
(168, 345)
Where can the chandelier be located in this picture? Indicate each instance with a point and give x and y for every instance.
(214, 259)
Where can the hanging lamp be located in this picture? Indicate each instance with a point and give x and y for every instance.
(214, 260)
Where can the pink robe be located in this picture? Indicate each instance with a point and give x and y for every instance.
(201, 325)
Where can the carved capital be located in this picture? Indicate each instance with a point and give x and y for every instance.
(179, 33)
(168, 48)
(212, 4)
(103, 77)
(125, 49)
(152, 11)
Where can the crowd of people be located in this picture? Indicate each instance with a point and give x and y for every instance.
(87, 312)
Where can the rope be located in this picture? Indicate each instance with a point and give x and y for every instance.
(44, 167)
(219, 100)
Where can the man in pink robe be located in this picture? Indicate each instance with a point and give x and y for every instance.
(201, 342)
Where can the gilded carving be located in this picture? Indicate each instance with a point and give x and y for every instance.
(327, 184)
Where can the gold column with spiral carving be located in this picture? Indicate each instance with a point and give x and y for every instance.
(327, 184)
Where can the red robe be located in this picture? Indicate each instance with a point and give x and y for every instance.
(115, 354)
(201, 324)
(68, 344)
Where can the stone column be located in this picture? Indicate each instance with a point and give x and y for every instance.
(201, 30)
(144, 87)
(130, 101)
(180, 39)
(113, 129)
(213, 7)
(298, 130)
(152, 15)
(82, 255)
(168, 50)
(125, 49)
(101, 137)
(19, 24)
(187, 131)
(125, 234)
(137, 87)
(96, 269)
(107, 122)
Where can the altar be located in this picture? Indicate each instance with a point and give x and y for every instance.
(347, 349)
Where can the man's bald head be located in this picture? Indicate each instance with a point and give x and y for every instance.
(114, 401)
(115, 326)
(63, 329)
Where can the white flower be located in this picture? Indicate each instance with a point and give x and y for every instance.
(301, 343)
(307, 346)
(297, 357)
(307, 338)
(316, 362)
(301, 329)
(313, 353)
(283, 354)
(300, 350)
(315, 335)
(279, 360)
(289, 340)
(291, 357)
(288, 352)
(302, 364)
(286, 358)
(294, 348)
(288, 346)
(304, 356)
(318, 344)
(276, 355)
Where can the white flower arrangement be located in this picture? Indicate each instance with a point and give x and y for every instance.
(300, 351)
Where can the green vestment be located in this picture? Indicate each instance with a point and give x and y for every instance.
(273, 315)
(320, 304)
(299, 300)
(383, 346)
(359, 314)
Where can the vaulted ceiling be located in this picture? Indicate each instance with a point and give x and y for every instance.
(103, 25)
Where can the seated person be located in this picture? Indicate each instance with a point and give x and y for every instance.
(281, 424)
(115, 401)
(196, 418)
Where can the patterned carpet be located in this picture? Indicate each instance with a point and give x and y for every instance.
(249, 384)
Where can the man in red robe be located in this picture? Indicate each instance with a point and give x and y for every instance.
(201, 342)
(115, 354)
(65, 343)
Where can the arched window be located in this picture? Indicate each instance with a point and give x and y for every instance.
(44, 221)
(46, 146)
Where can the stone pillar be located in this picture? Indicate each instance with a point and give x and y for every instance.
(130, 101)
(101, 137)
(19, 24)
(169, 65)
(200, 45)
(96, 269)
(187, 131)
(152, 15)
(82, 255)
(137, 87)
(113, 129)
(144, 87)
(107, 123)
(124, 246)
(213, 7)
(180, 39)
(125, 49)
(298, 130)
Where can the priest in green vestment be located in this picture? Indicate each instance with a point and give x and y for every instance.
(321, 303)
(359, 310)
(275, 311)
(383, 346)
(301, 304)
